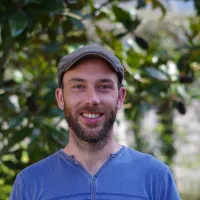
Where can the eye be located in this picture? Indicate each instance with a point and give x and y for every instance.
(106, 87)
(78, 86)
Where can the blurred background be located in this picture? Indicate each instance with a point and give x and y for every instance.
(158, 43)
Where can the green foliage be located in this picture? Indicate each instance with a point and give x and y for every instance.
(18, 22)
(35, 34)
(125, 18)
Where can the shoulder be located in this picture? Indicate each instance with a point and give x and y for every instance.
(40, 169)
(145, 162)
(29, 181)
(150, 173)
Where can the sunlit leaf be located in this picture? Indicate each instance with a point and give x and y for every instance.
(156, 74)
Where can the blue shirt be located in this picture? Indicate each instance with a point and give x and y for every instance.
(127, 175)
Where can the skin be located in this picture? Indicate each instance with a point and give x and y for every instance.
(91, 87)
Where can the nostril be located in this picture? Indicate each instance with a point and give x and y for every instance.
(93, 101)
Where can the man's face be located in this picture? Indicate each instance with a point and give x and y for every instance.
(90, 99)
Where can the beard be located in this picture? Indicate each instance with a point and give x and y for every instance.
(90, 135)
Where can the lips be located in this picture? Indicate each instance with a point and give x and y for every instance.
(91, 115)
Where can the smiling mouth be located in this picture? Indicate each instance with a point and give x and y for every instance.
(92, 115)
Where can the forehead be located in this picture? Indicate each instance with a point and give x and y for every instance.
(92, 67)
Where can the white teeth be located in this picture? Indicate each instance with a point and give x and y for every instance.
(91, 115)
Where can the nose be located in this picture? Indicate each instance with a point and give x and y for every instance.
(92, 98)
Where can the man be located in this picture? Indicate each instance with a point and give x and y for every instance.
(93, 165)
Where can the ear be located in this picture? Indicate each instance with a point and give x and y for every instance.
(121, 97)
(60, 98)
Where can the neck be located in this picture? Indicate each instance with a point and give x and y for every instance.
(91, 156)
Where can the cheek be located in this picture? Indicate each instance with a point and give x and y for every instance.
(72, 102)
(110, 99)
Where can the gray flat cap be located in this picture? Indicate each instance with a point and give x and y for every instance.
(90, 50)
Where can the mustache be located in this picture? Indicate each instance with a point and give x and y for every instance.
(89, 108)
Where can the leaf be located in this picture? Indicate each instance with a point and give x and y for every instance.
(75, 15)
(195, 92)
(51, 48)
(141, 4)
(75, 18)
(57, 135)
(22, 38)
(78, 24)
(75, 4)
(197, 6)
(51, 99)
(18, 22)
(180, 92)
(187, 77)
(46, 7)
(55, 112)
(32, 105)
(194, 24)
(156, 74)
(9, 83)
(122, 16)
(142, 42)
(180, 106)
(32, 1)
(67, 26)
(91, 5)
(18, 136)
(121, 35)
(135, 23)
(184, 63)
(18, 153)
(158, 4)
(16, 121)
(100, 15)
(14, 165)
(55, 5)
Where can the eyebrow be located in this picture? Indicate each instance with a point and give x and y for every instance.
(106, 81)
(83, 80)
(77, 80)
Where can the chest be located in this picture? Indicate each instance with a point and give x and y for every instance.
(107, 185)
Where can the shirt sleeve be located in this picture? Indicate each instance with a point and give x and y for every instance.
(168, 189)
(17, 191)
